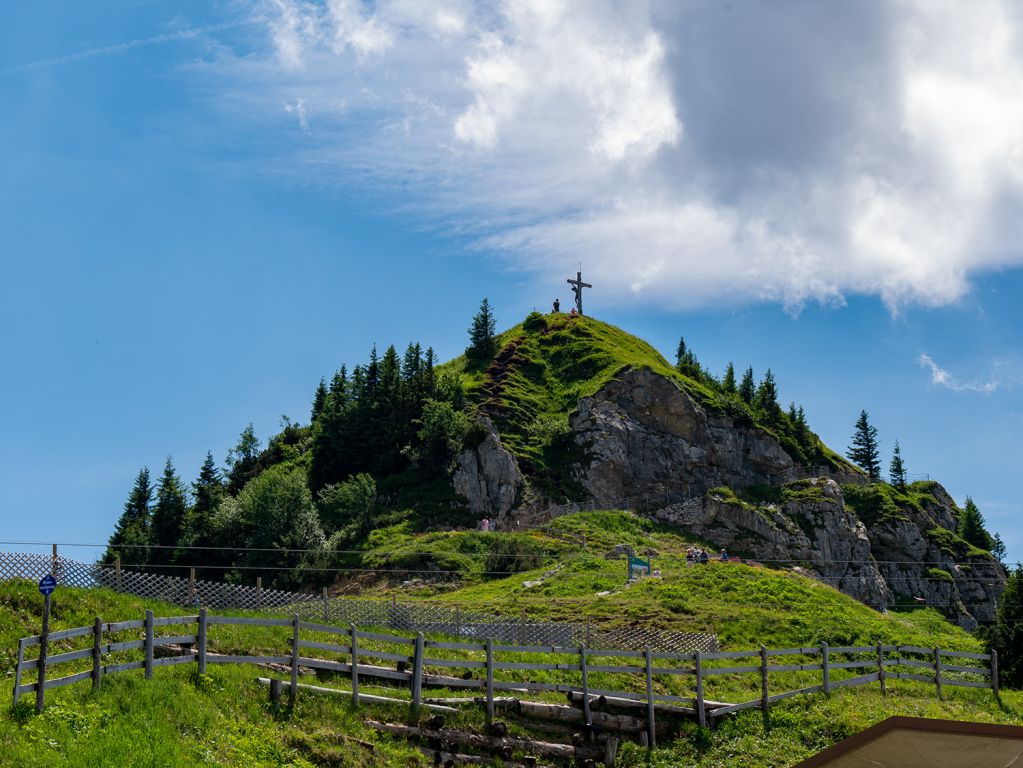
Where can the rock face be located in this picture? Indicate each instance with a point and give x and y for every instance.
(820, 534)
(488, 476)
(650, 445)
(646, 437)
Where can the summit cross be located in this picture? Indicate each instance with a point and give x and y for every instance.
(577, 289)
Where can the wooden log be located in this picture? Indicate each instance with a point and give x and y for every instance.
(275, 693)
(937, 672)
(567, 714)
(417, 676)
(362, 696)
(443, 757)
(650, 706)
(610, 750)
(490, 743)
(616, 702)
(490, 680)
(826, 669)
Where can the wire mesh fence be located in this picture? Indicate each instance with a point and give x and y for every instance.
(426, 617)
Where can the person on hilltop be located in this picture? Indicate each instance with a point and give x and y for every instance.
(557, 305)
(724, 556)
(703, 557)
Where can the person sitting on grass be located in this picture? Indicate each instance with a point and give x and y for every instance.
(724, 556)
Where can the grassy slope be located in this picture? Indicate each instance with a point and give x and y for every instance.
(179, 720)
(174, 719)
(744, 605)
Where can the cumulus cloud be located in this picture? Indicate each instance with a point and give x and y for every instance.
(688, 154)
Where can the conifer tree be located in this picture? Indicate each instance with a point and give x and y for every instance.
(1007, 635)
(728, 382)
(998, 548)
(319, 400)
(897, 469)
(864, 451)
(802, 431)
(197, 529)
(971, 526)
(680, 353)
(242, 460)
(747, 387)
(766, 399)
(131, 537)
(168, 515)
(481, 333)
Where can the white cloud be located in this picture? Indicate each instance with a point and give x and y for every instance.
(299, 109)
(688, 155)
(1000, 378)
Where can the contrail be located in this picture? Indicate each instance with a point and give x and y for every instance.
(106, 50)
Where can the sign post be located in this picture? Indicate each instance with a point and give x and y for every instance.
(46, 586)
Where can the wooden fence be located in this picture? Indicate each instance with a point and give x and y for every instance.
(651, 683)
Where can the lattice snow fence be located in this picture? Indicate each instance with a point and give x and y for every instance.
(652, 683)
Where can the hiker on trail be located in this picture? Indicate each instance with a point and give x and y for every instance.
(573, 313)
(724, 556)
(690, 556)
(557, 305)
(485, 525)
(704, 557)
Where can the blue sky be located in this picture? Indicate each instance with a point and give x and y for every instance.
(205, 209)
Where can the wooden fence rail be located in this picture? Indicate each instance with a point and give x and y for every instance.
(416, 662)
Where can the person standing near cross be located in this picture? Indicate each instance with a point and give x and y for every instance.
(577, 289)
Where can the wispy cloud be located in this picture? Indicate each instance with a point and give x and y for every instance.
(107, 50)
(689, 155)
(1001, 377)
(298, 108)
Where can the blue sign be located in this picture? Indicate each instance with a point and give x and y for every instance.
(47, 584)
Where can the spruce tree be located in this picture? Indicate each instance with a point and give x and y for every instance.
(998, 548)
(481, 333)
(747, 387)
(897, 470)
(766, 399)
(168, 515)
(131, 537)
(198, 529)
(864, 451)
(1007, 635)
(319, 400)
(971, 526)
(728, 382)
(242, 460)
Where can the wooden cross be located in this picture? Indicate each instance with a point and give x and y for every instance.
(577, 289)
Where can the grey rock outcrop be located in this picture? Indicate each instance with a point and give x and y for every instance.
(645, 436)
(821, 534)
(488, 476)
(650, 443)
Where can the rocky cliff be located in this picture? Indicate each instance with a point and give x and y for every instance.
(650, 445)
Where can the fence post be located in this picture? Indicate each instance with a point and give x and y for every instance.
(293, 693)
(490, 680)
(417, 676)
(259, 592)
(117, 572)
(201, 656)
(53, 563)
(586, 688)
(826, 668)
(191, 586)
(355, 667)
(701, 712)
(765, 702)
(880, 669)
(97, 653)
(937, 673)
(17, 669)
(326, 606)
(651, 727)
(994, 672)
(150, 641)
(44, 645)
